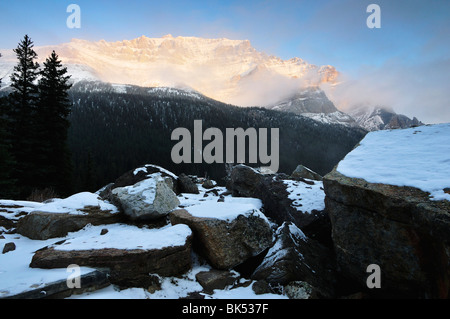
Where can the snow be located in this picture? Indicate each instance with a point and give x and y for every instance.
(131, 237)
(306, 198)
(227, 211)
(162, 170)
(14, 209)
(417, 157)
(147, 187)
(15, 274)
(75, 203)
(242, 293)
(205, 65)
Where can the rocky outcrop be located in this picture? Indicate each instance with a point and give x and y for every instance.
(148, 199)
(43, 225)
(129, 267)
(294, 257)
(279, 205)
(226, 243)
(397, 228)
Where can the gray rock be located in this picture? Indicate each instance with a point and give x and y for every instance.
(215, 279)
(186, 185)
(8, 247)
(226, 244)
(245, 181)
(45, 225)
(146, 200)
(303, 172)
(294, 257)
(397, 228)
(91, 281)
(127, 267)
(298, 290)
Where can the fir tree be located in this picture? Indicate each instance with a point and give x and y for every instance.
(52, 117)
(21, 114)
(7, 183)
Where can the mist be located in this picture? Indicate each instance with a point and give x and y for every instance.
(413, 90)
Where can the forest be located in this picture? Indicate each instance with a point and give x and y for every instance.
(113, 131)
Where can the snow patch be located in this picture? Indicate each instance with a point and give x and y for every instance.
(416, 157)
(131, 237)
(306, 198)
(75, 203)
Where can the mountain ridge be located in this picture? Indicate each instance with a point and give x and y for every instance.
(231, 71)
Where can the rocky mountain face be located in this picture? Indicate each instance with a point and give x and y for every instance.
(381, 118)
(313, 103)
(231, 71)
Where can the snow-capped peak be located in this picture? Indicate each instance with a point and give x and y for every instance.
(228, 70)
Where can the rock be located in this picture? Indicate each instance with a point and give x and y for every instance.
(60, 217)
(294, 257)
(298, 290)
(285, 200)
(142, 173)
(103, 232)
(90, 281)
(208, 184)
(8, 247)
(261, 287)
(164, 252)
(146, 200)
(215, 279)
(397, 228)
(244, 181)
(186, 185)
(302, 172)
(227, 243)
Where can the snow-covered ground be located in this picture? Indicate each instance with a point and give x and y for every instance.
(16, 276)
(417, 157)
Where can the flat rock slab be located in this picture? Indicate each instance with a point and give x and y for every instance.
(90, 281)
(60, 216)
(131, 253)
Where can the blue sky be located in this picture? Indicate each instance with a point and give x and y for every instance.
(319, 31)
(413, 34)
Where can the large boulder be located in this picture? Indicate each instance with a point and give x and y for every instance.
(226, 234)
(294, 257)
(148, 199)
(398, 228)
(61, 216)
(129, 252)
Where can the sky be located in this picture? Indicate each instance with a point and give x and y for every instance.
(404, 64)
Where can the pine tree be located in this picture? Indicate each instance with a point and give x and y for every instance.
(21, 113)
(7, 183)
(53, 110)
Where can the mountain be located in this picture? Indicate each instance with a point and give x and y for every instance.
(231, 71)
(312, 102)
(374, 118)
(126, 126)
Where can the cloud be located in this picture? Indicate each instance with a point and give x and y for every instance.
(419, 90)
